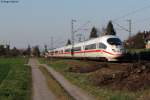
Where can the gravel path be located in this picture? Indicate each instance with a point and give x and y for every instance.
(40, 87)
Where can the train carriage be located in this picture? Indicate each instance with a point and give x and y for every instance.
(109, 47)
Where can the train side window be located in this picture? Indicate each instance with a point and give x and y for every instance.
(102, 46)
(56, 52)
(51, 53)
(67, 50)
(60, 52)
(77, 49)
(91, 46)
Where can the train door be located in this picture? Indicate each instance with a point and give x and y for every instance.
(72, 52)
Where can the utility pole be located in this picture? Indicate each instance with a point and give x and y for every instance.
(130, 22)
(73, 31)
(51, 43)
(72, 35)
(51, 53)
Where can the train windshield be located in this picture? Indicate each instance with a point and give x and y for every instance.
(114, 41)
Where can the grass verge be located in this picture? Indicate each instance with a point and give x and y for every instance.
(82, 80)
(54, 86)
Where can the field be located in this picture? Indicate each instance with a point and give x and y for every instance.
(15, 78)
(106, 81)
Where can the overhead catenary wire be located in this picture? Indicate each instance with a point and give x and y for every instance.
(142, 20)
(82, 27)
(123, 28)
(132, 12)
(129, 14)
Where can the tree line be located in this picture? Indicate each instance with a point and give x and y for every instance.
(109, 30)
(137, 41)
(6, 51)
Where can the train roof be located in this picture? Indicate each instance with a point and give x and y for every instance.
(100, 39)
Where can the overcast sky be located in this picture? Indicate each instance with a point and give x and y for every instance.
(34, 22)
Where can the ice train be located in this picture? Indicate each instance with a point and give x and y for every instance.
(108, 47)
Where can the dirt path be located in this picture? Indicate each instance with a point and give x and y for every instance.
(76, 92)
(40, 88)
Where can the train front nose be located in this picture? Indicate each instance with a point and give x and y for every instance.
(116, 47)
(117, 51)
(116, 54)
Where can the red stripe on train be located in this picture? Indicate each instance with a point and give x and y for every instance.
(86, 51)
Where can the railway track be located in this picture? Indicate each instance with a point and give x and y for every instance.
(132, 61)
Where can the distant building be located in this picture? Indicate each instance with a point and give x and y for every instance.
(148, 44)
(148, 41)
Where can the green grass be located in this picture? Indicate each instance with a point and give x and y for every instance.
(82, 80)
(15, 79)
(4, 71)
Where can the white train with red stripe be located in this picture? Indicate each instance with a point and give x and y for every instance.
(109, 47)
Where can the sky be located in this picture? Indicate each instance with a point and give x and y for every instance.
(34, 22)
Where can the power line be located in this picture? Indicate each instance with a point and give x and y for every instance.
(133, 12)
(142, 20)
(82, 27)
(125, 29)
(73, 31)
